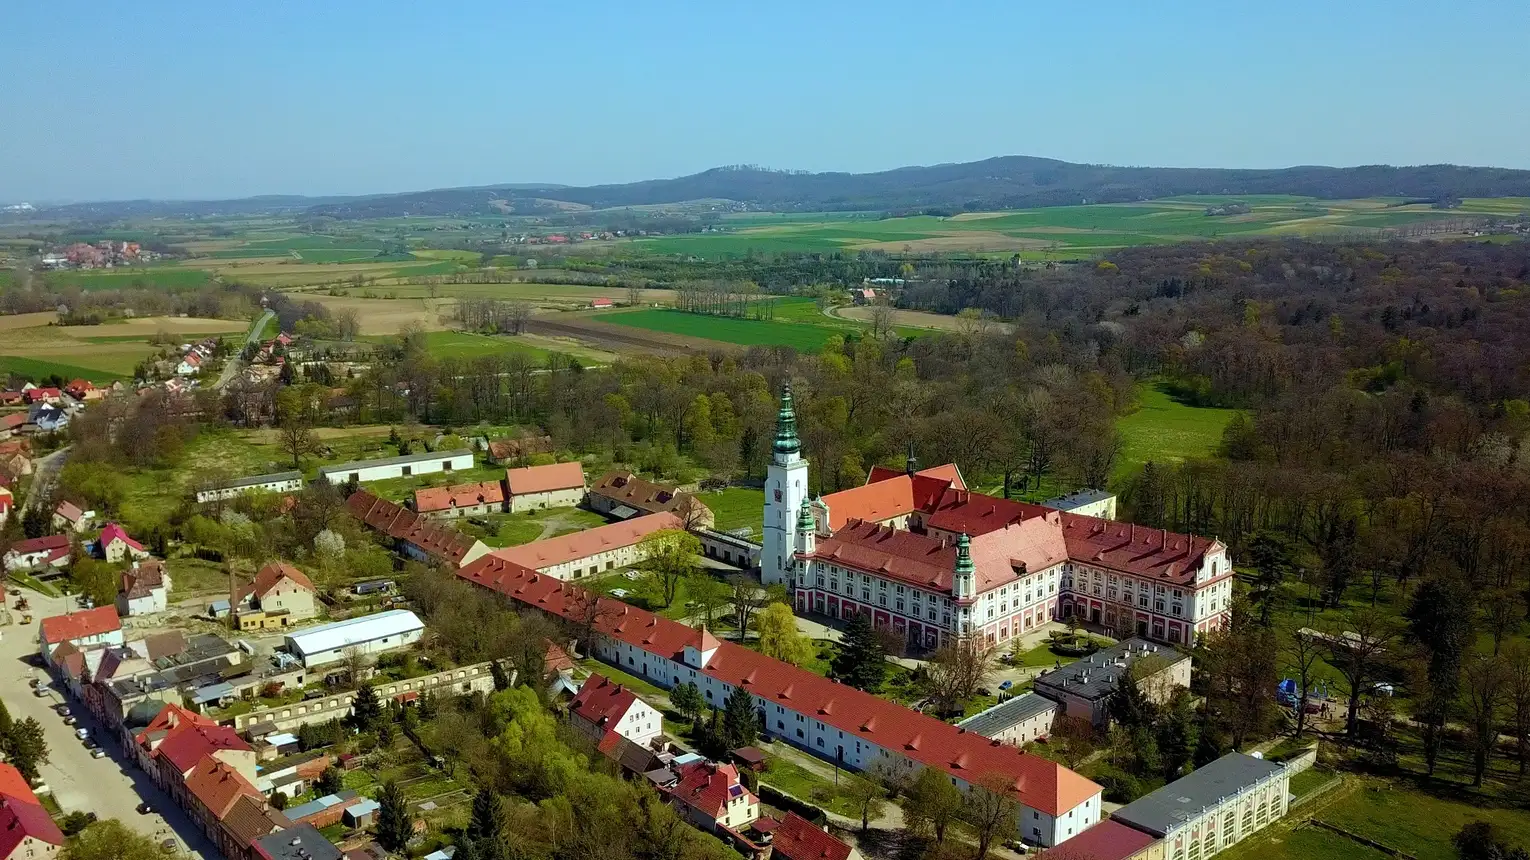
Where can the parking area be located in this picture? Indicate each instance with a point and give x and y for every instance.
(110, 786)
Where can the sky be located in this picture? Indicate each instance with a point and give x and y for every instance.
(182, 100)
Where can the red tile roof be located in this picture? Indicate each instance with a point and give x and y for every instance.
(250, 818)
(12, 421)
(948, 473)
(1108, 840)
(602, 702)
(893, 496)
(796, 838)
(1040, 784)
(1135, 549)
(19, 819)
(78, 625)
(576, 545)
(433, 499)
(140, 581)
(399, 523)
(112, 532)
(644, 495)
(13, 784)
(216, 785)
(271, 575)
(542, 479)
(69, 511)
(170, 716)
(70, 659)
(707, 787)
(188, 743)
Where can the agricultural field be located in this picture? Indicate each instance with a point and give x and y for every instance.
(309, 249)
(32, 346)
(1068, 232)
(804, 337)
(1163, 430)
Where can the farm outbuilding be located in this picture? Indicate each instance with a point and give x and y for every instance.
(399, 467)
(370, 634)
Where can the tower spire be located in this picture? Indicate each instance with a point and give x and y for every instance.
(964, 555)
(911, 465)
(786, 424)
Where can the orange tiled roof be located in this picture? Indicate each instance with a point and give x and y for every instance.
(433, 499)
(576, 545)
(216, 785)
(542, 479)
(78, 625)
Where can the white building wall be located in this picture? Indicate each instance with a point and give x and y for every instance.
(204, 496)
(371, 646)
(785, 490)
(594, 565)
(445, 462)
(565, 498)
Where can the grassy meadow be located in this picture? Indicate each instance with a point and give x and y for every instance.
(1163, 430)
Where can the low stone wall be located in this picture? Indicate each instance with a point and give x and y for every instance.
(1301, 761)
(453, 682)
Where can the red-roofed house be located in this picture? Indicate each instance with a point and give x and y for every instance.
(280, 591)
(11, 424)
(461, 500)
(116, 546)
(187, 745)
(602, 303)
(603, 708)
(69, 516)
(43, 395)
(559, 485)
(927, 558)
(52, 551)
(212, 788)
(99, 626)
(27, 832)
(840, 723)
(591, 551)
(416, 536)
(711, 796)
(796, 838)
(147, 739)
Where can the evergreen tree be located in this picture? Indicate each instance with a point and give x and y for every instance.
(741, 723)
(6, 725)
(861, 661)
(501, 679)
(366, 710)
(687, 700)
(712, 741)
(27, 749)
(486, 821)
(1127, 705)
(394, 827)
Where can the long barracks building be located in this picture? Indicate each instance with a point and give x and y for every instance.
(833, 721)
(925, 556)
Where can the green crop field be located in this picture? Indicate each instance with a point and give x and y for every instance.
(135, 278)
(1065, 231)
(466, 345)
(1163, 430)
(740, 332)
(37, 368)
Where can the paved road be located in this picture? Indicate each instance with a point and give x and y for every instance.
(111, 787)
(232, 367)
(45, 472)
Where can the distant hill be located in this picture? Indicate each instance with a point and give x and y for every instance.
(1009, 182)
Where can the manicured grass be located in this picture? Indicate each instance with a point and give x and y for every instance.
(521, 528)
(737, 507)
(1163, 430)
(803, 784)
(739, 332)
(38, 368)
(1309, 779)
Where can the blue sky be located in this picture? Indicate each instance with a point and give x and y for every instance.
(203, 100)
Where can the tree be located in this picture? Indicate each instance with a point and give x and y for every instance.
(7, 725)
(96, 580)
(366, 710)
(1127, 704)
(501, 677)
(991, 809)
(867, 797)
(669, 557)
(779, 638)
(356, 664)
(1356, 648)
(27, 748)
(1074, 736)
(330, 781)
(110, 839)
(741, 722)
(958, 669)
(931, 804)
(747, 598)
(487, 821)
(1483, 693)
(394, 826)
(710, 595)
(1439, 623)
(1517, 667)
(861, 661)
(295, 439)
(1271, 557)
(1302, 657)
(687, 700)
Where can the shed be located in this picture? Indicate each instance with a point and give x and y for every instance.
(360, 814)
(750, 757)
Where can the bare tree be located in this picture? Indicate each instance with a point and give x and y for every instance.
(357, 665)
(747, 598)
(881, 320)
(1302, 656)
(295, 439)
(991, 808)
(1356, 648)
(1517, 674)
(1484, 685)
(957, 669)
(634, 295)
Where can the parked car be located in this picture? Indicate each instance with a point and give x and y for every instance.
(90, 744)
(69, 720)
(82, 734)
(62, 708)
(144, 808)
(39, 692)
(98, 753)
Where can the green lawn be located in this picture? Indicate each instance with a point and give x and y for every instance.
(803, 784)
(40, 368)
(401, 489)
(737, 507)
(1163, 430)
(517, 529)
(467, 345)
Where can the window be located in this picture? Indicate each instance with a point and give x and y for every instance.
(408, 471)
(446, 465)
(882, 599)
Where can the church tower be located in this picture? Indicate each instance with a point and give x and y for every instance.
(785, 492)
(963, 580)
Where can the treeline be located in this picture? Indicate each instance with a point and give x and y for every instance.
(34, 293)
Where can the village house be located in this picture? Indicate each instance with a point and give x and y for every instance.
(603, 708)
(144, 590)
(796, 838)
(11, 424)
(931, 560)
(50, 396)
(1017, 720)
(45, 418)
(14, 459)
(85, 629)
(592, 551)
(560, 485)
(213, 787)
(45, 553)
(622, 495)
(461, 500)
(280, 596)
(27, 831)
(114, 545)
(713, 798)
(68, 516)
